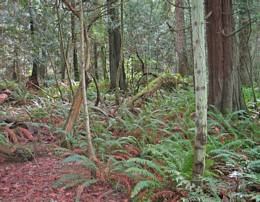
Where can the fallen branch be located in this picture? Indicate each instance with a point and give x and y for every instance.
(164, 81)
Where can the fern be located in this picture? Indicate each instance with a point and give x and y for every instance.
(253, 152)
(89, 182)
(256, 198)
(163, 195)
(220, 119)
(226, 155)
(254, 165)
(145, 162)
(145, 173)
(83, 160)
(145, 184)
(129, 140)
(68, 181)
(3, 139)
(240, 143)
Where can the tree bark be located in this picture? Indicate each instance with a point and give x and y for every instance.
(85, 68)
(220, 56)
(114, 45)
(180, 38)
(74, 44)
(200, 74)
(96, 60)
(244, 57)
(104, 61)
(62, 48)
(34, 76)
(42, 66)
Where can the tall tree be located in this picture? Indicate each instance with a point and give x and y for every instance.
(244, 49)
(180, 38)
(34, 76)
(200, 74)
(95, 52)
(222, 71)
(114, 45)
(74, 44)
(84, 68)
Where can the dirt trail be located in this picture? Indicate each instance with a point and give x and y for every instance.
(32, 182)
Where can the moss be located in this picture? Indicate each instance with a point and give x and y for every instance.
(165, 81)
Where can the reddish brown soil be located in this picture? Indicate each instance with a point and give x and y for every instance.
(32, 182)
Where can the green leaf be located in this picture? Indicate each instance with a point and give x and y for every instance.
(83, 160)
(146, 184)
(145, 162)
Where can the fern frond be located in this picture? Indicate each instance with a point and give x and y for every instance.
(253, 152)
(228, 156)
(83, 160)
(240, 143)
(254, 165)
(87, 183)
(146, 184)
(123, 179)
(145, 162)
(68, 181)
(165, 194)
(141, 171)
(128, 140)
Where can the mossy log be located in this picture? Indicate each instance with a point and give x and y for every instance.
(162, 82)
(17, 118)
(15, 153)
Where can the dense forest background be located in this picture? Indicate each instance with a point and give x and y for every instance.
(150, 100)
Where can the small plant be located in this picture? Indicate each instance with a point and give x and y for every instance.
(103, 172)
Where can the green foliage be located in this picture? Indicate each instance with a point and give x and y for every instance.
(145, 163)
(145, 184)
(68, 181)
(21, 93)
(162, 141)
(254, 166)
(39, 113)
(11, 85)
(83, 160)
(248, 95)
(3, 139)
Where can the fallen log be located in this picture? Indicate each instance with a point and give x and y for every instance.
(162, 82)
(17, 118)
(15, 153)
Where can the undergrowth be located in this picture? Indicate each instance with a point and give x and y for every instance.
(151, 152)
(148, 152)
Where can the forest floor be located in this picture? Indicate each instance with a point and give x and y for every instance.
(33, 181)
(143, 154)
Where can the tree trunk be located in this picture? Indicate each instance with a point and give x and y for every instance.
(180, 39)
(64, 67)
(244, 57)
(34, 83)
(104, 61)
(15, 71)
(74, 45)
(96, 61)
(114, 45)
(42, 66)
(85, 68)
(200, 73)
(220, 56)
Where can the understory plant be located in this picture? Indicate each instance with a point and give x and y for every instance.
(150, 152)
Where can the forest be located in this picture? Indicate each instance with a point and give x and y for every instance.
(129, 101)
